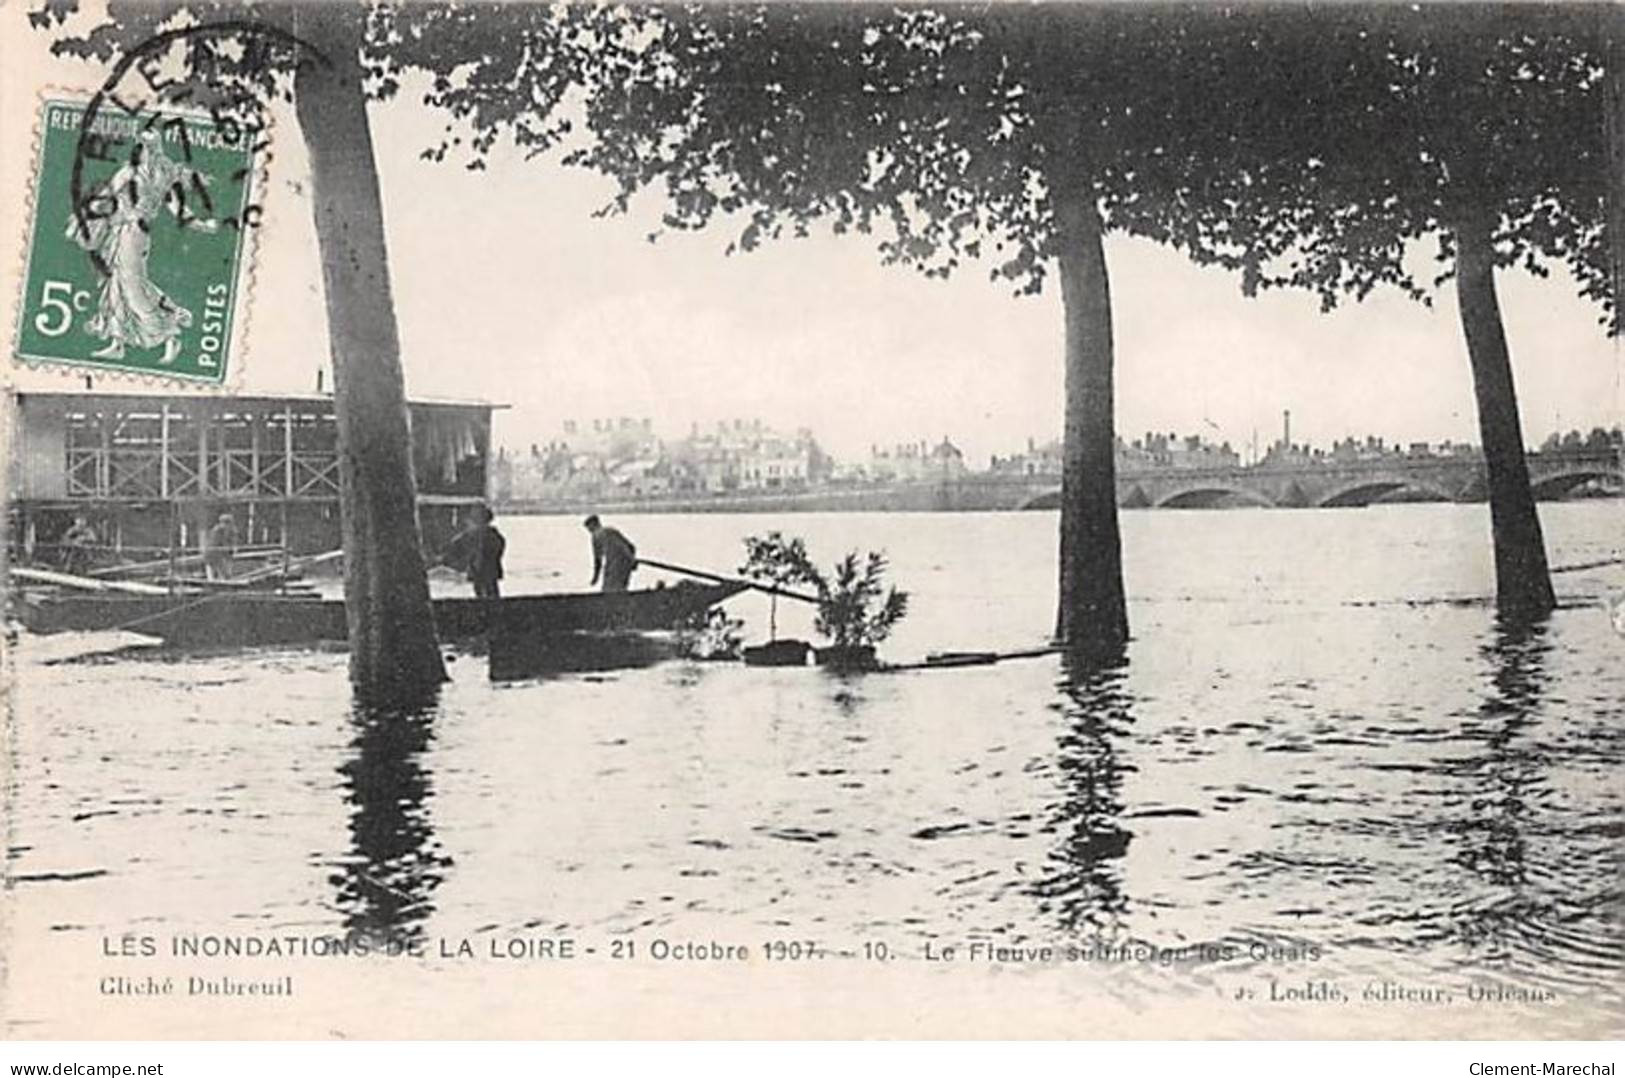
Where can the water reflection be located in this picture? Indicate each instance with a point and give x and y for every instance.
(396, 863)
(1517, 651)
(1505, 777)
(1084, 884)
(526, 657)
(1511, 912)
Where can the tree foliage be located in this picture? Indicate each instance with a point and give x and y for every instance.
(498, 70)
(847, 611)
(879, 119)
(848, 614)
(778, 560)
(1439, 117)
(1306, 147)
(501, 68)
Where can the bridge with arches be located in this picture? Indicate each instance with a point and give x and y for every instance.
(1322, 483)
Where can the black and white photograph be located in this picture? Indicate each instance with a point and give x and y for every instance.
(1057, 520)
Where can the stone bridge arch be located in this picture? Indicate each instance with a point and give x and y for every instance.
(1049, 499)
(1557, 484)
(1365, 491)
(1209, 495)
(1201, 496)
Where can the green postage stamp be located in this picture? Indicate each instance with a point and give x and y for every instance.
(136, 255)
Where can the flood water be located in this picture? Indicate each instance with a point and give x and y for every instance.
(1323, 761)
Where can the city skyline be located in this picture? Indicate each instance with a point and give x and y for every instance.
(585, 428)
(624, 461)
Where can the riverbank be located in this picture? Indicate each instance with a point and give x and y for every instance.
(906, 498)
(898, 498)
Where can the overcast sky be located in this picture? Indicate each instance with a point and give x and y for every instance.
(508, 289)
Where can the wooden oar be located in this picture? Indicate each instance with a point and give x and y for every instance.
(142, 566)
(1587, 565)
(245, 552)
(295, 565)
(715, 579)
(85, 583)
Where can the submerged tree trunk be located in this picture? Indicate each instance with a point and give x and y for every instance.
(1092, 612)
(1523, 584)
(393, 650)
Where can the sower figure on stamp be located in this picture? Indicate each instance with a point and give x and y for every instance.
(613, 555)
(218, 544)
(478, 550)
(131, 309)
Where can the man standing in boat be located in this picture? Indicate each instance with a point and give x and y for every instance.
(613, 555)
(218, 544)
(478, 550)
(76, 544)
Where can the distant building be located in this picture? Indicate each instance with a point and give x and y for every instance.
(947, 462)
(557, 471)
(1038, 460)
(624, 459)
(1172, 451)
(1371, 447)
(1281, 455)
(749, 455)
(847, 473)
(916, 462)
(620, 438)
(645, 477)
(1152, 452)
(900, 462)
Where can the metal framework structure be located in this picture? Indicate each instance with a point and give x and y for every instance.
(169, 453)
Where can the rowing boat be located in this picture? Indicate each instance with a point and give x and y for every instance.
(234, 619)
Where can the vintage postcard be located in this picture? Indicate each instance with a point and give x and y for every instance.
(812, 520)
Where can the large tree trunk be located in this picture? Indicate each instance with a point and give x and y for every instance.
(393, 650)
(1092, 611)
(1523, 585)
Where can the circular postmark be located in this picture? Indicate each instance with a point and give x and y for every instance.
(235, 115)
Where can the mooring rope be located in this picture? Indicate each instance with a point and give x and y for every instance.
(126, 626)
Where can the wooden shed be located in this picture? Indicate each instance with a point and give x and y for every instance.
(151, 471)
